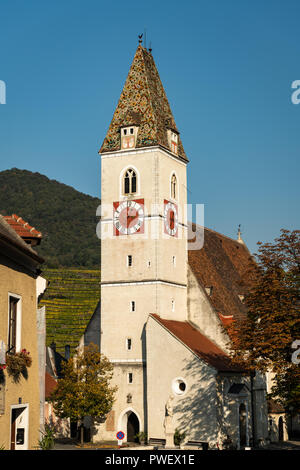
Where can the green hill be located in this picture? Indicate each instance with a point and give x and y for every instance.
(70, 301)
(66, 217)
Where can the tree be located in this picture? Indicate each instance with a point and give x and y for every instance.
(85, 387)
(263, 340)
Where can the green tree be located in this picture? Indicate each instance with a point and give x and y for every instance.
(263, 340)
(85, 387)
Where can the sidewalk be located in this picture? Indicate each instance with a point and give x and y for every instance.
(69, 444)
(287, 445)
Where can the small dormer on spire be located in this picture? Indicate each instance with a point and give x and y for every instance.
(128, 137)
(173, 140)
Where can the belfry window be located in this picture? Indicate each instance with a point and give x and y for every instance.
(130, 181)
(173, 186)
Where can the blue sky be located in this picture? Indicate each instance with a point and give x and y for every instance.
(227, 68)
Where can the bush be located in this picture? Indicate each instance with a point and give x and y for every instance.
(141, 436)
(47, 441)
(178, 437)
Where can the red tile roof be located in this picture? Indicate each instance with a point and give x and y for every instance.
(23, 229)
(199, 344)
(223, 263)
(50, 384)
(9, 235)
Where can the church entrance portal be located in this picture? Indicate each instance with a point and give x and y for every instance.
(133, 427)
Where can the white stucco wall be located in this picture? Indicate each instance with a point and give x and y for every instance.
(202, 314)
(195, 412)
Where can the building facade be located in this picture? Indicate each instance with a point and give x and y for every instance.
(163, 308)
(21, 395)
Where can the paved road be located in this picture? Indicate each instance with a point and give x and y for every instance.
(69, 445)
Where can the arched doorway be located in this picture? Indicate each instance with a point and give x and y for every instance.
(280, 429)
(243, 425)
(130, 423)
(133, 427)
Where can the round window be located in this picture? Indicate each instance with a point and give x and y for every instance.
(179, 386)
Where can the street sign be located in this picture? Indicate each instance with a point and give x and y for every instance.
(120, 435)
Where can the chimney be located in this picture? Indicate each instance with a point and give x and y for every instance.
(67, 352)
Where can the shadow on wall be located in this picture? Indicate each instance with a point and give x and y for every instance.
(61, 427)
(197, 409)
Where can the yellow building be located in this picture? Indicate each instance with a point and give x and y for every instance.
(21, 394)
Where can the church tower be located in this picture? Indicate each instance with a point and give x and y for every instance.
(143, 236)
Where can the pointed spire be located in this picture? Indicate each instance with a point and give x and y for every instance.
(143, 102)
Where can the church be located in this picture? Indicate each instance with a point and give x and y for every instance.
(165, 304)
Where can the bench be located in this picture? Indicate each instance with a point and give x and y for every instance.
(156, 442)
(198, 444)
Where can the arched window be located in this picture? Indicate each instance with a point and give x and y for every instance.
(173, 186)
(130, 182)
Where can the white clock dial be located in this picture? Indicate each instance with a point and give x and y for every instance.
(128, 217)
(171, 218)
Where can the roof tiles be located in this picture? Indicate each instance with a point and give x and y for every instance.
(143, 102)
(22, 228)
(199, 344)
(223, 264)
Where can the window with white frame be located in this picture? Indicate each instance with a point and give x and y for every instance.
(14, 324)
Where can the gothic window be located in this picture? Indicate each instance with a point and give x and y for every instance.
(130, 182)
(173, 187)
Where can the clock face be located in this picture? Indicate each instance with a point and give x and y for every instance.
(128, 217)
(171, 218)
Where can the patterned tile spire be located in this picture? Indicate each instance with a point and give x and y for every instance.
(143, 102)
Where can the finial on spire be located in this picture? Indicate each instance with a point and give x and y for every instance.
(140, 38)
(239, 238)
